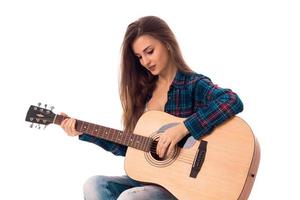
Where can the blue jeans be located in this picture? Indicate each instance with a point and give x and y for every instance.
(122, 188)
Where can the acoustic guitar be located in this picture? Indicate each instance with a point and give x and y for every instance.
(221, 165)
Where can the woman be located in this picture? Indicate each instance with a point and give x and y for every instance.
(154, 76)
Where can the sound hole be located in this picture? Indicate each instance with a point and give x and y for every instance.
(156, 161)
(153, 158)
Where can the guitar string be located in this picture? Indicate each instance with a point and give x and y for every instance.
(188, 155)
(184, 156)
(185, 161)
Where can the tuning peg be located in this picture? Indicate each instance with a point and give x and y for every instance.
(39, 104)
(31, 125)
(52, 107)
(38, 126)
(45, 127)
(45, 106)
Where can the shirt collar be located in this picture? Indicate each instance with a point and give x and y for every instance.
(179, 80)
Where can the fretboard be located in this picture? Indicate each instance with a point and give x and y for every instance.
(128, 139)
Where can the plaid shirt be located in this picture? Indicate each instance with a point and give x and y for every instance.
(194, 97)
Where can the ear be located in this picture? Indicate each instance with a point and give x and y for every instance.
(168, 47)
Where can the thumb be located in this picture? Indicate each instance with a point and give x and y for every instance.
(64, 114)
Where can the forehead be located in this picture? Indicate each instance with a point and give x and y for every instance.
(144, 41)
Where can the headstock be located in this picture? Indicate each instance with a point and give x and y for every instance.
(39, 115)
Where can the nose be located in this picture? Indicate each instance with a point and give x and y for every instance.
(145, 61)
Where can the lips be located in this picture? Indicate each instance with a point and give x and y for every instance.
(152, 67)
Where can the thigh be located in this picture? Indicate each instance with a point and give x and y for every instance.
(107, 187)
(146, 192)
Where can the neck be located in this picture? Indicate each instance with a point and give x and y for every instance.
(168, 75)
(128, 139)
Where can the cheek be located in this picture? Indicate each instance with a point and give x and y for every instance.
(161, 57)
(164, 59)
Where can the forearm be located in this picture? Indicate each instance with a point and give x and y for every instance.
(206, 118)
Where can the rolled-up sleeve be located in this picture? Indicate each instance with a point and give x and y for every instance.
(213, 106)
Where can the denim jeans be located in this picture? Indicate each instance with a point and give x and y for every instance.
(122, 188)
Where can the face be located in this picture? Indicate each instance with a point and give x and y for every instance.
(152, 54)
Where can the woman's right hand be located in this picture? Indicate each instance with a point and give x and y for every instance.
(68, 125)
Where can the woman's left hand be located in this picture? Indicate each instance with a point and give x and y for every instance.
(169, 139)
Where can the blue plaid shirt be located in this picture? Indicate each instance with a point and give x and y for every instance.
(194, 97)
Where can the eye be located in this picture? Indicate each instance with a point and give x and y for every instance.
(150, 51)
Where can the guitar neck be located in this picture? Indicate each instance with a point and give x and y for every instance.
(128, 139)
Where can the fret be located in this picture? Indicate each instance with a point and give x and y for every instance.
(149, 143)
(84, 127)
(126, 138)
(134, 141)
(114, 135)
(101, 132)
(106, 133)
(120, 133)
(131, 140)
(92, 128)
(109, 134)
(138, 142)
(81, 124)
(143, 142)
(117, 135)
(96, 130)
(88, 126)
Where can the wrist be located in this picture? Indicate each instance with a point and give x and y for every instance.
(182, 129)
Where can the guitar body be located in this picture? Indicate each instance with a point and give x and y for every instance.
(228, 171)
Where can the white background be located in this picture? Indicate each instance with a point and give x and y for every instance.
(67, 54)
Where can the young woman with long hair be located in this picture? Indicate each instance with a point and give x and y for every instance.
(154, 76)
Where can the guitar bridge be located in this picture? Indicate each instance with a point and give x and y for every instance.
(199, 159)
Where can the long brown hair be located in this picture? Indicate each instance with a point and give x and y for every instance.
(136, 82)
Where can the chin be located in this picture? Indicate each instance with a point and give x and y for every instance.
(154, 73)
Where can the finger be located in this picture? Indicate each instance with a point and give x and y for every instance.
(159, 145)
(171, 148)
(63, 114)
(162, 148)
(73, 129)
(72, 126)
(68, 125)
(63, 123)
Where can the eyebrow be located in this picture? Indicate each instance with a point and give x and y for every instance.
(144, 49)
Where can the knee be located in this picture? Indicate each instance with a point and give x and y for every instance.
(94, 187)
(136, 193)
